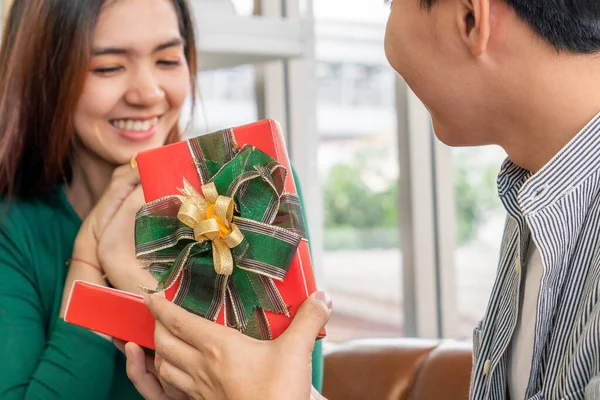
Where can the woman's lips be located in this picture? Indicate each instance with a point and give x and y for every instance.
(136, 129)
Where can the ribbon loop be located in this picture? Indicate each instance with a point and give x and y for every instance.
(206, 230)
(222, 257)
(224, 211)
(234, 238)
(210, 192)
(189, 213)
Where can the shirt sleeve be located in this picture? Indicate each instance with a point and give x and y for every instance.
(317, 356)
(40, 361)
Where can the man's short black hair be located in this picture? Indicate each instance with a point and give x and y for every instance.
(570, 25)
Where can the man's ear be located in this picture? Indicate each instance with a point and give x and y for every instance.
(473, 18)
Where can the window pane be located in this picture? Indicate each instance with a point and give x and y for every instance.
(226, 98)
(223, 7)
(358, 166)
(480, 223)
(243, 7)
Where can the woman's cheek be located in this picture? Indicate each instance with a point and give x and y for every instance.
(100, 96)
(177, 87)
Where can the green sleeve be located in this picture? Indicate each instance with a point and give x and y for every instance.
(317, 357)
(41, 359)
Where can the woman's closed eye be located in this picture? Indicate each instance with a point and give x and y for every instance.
(109, 70)
(169, 63)
(102, 71)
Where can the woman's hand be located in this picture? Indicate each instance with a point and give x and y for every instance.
(116, 247)
(123, 183)
(109, 231)
(208, 361)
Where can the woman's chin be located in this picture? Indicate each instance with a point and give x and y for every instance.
(126, 153)
(124, 157)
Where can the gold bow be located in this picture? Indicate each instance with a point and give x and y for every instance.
(211, 216)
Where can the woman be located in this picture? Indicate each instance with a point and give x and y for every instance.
(84, 85)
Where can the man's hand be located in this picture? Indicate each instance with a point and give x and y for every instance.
(143, 375)
(208, 361)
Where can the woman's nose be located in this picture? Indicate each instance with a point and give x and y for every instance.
(145, 91)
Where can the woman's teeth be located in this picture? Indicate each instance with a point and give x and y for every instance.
(134, 125)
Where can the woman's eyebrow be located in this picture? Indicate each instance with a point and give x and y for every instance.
(101, 51)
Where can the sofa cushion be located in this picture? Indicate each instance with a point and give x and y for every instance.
(445, 374)
(374, 369)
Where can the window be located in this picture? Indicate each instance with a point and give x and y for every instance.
(226, 97)
(243, 7)
(480, 220)
(354, 85)
(358, 166)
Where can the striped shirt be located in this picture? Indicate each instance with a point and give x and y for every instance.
(559, 209)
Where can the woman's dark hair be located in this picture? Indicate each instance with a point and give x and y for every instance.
(569, 25)
(44, 60)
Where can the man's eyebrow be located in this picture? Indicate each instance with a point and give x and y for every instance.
(101, 51)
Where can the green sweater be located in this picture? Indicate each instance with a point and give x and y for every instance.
(41, 356)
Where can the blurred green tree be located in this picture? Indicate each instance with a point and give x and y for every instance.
(360, 197)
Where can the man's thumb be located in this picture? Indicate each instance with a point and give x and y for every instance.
(310, 319)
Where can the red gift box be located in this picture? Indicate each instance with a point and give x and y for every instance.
(162, 172)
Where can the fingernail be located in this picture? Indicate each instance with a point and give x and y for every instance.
(323, 298)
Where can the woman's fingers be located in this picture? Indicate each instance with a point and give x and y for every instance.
(116, 248)
(124, 180)
(140, 367)
(135, 200)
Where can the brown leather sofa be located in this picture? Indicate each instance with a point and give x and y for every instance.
(397, 369)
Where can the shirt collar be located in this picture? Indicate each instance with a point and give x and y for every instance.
(571, 166)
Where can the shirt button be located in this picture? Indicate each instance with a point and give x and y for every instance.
(486, 367)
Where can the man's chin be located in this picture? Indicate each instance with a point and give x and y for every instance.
(454, 138)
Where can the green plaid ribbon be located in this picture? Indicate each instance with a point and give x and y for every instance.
(269, 219)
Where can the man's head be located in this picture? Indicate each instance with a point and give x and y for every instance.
(471, 60)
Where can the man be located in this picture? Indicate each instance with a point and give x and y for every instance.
(525, 75)
(522, 74)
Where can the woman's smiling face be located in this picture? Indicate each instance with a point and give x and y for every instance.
(137, 82)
